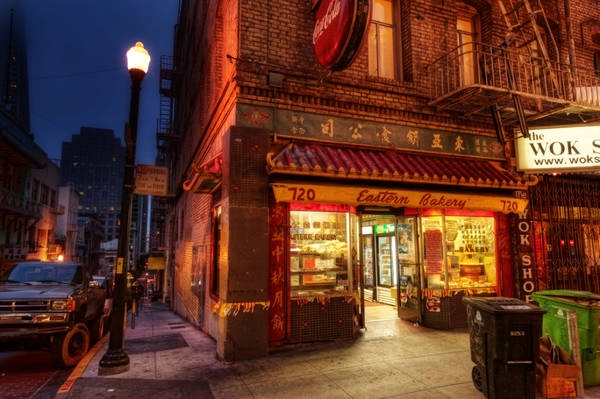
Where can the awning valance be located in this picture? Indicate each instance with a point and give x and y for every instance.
(374, 164)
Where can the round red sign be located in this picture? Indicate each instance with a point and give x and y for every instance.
(339, 30)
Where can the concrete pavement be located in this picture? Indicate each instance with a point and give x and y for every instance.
(170, 359)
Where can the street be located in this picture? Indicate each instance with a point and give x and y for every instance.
(29, 375)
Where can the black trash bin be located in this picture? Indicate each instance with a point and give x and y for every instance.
(504, 336)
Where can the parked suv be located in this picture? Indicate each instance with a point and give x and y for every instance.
(53, 305)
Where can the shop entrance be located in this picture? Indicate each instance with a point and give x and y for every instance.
(390, 273)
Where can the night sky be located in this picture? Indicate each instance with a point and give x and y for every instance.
(77, 69)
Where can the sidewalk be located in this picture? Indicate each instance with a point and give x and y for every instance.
(171, 359)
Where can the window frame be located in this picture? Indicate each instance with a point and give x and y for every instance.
(216, 229)
(396, 44)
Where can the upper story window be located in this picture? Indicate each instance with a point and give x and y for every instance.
(467, 35)
(44, 194)
(53, 198)
(382, 42)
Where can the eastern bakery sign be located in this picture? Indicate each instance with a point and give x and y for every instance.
(339, 30)
(560, 149)
(356, 196)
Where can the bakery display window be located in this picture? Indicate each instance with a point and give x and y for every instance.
(459, 251)
(319, 258)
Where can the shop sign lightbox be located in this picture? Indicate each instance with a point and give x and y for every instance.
(560, 149)
(340, 28)
(357, 196)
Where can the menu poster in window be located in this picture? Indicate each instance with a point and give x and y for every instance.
(433, 251)
(405, 235)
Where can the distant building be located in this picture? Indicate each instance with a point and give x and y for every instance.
(66, 223)
(89, 241)
(93, 162)
(14, 83)
(28, 182)
(43, 190)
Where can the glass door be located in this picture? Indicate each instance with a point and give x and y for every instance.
(409, 298)
(386, 264)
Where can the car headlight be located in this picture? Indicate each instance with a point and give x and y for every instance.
(64, 305)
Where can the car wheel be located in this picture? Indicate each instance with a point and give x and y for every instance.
(68, 349)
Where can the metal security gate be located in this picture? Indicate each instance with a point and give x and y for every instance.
(566, 232)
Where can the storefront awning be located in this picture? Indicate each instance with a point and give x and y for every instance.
(334, 161)
(349, 165)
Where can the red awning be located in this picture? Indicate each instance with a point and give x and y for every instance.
(206, 178)
(335, 161)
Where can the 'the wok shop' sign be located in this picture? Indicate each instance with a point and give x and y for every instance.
(560, 149)
(339, 30)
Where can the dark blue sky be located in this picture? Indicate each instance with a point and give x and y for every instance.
(77, 70)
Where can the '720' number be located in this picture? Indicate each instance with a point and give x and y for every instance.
(302, 194)
(510, 206)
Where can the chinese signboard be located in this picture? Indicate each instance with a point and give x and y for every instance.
(355, 131)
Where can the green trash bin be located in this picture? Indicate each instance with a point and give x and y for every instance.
(586, 305)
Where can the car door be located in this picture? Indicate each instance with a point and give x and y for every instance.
(94, 294)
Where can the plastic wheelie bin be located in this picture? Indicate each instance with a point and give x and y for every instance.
(586, 306)
(504, 337)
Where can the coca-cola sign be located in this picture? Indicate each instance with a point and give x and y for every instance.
(339, 30)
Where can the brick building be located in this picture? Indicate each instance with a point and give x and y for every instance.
(328, 154)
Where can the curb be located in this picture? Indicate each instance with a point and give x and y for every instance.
(80, 368)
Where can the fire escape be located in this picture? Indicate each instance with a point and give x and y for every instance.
(520, 82)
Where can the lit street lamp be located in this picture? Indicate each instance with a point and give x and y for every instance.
(115, 360)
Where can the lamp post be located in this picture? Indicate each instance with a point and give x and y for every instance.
(115, 360)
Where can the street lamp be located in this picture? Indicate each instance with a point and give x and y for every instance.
(115, 360)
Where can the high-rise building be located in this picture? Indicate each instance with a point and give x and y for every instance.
(14, 84)
(93, 162)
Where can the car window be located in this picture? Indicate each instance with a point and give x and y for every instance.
(44, 272)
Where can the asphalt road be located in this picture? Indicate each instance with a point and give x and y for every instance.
(29, 375)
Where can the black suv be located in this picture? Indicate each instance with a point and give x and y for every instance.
(54, 305)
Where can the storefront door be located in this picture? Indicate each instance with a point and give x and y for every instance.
(391, 263)
(409, 298)
(386, 270)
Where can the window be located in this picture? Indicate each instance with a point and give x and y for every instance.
(381, 42)
(216, 252)
(35, 189)
(467, 26)
(44, 193)
(53, 198)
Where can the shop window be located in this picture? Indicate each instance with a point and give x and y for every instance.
(382, 43)
(216, 252)
(319, 250)
(459, 251)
